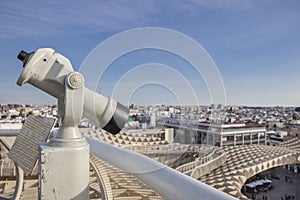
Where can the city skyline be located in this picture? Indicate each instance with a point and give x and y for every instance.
(254, 45)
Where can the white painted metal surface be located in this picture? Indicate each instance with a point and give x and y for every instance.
(64, 161)
(47, 69)
(64, 170)
(169, 183)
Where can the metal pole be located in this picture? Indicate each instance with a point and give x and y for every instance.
(169, 183)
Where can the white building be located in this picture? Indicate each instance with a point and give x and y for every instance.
(231, 134)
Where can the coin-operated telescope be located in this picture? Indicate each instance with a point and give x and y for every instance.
(64, 161)
(47, 70)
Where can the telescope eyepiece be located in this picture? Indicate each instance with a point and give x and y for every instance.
(24, 57)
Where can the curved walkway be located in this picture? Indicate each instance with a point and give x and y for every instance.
(244, 162)
(116, 184)
(226, 168)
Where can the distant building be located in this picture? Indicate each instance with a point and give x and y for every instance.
(276, 137)
(153, 119)
(231, 134)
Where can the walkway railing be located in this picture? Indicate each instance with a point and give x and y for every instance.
(188, 167)
(203, 165)
(209, 166)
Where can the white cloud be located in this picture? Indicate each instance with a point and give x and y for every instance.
(66, 17)
(38, 18)
(196, 6)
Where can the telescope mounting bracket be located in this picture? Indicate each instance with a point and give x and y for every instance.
(70, 106)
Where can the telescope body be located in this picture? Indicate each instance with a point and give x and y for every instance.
(47, 69)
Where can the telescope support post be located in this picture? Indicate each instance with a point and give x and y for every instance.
(64, 161)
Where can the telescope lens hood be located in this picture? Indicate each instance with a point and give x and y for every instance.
(119, 118)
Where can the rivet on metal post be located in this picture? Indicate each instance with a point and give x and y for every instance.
(75, 80)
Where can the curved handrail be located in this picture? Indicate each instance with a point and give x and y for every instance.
(102, 179)
(167, 182)
(19, 182)
(188, 167)
(209, 166)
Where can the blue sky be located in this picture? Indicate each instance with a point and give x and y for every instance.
(255, 45)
